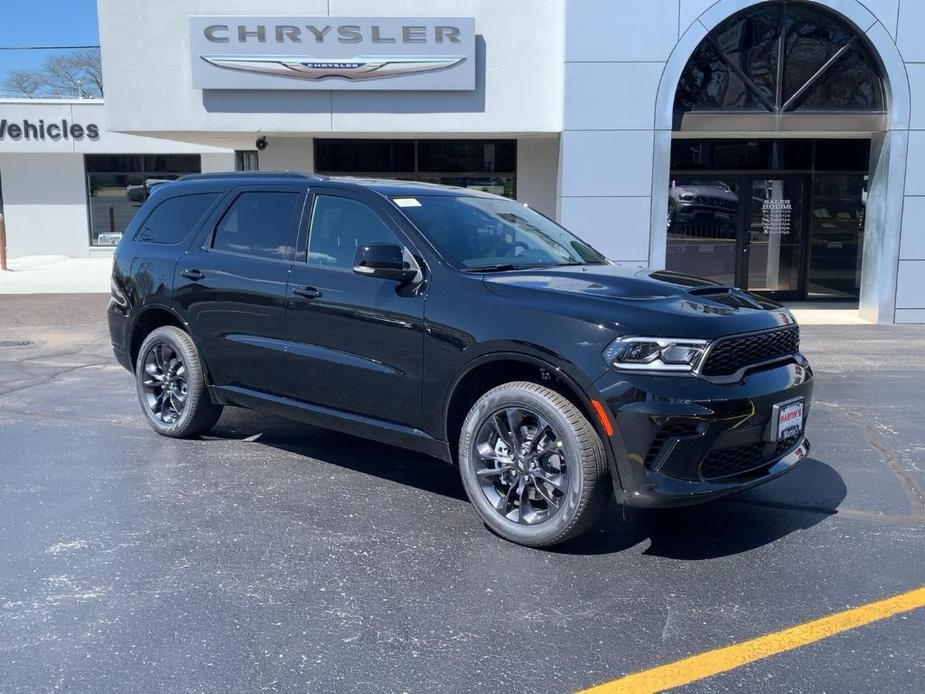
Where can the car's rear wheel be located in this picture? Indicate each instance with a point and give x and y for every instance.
(532, 465)
(171, 385)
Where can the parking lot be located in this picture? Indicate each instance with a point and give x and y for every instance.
(273, 556)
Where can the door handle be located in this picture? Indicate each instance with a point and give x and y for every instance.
(194, 275)
(307, 292)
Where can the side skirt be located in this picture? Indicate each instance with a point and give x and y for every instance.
(337, 420)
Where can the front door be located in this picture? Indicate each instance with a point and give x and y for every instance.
(773, 238)
(355, 343)
(740, 229)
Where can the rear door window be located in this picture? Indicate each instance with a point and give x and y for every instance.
(261, 224)
(175, 218)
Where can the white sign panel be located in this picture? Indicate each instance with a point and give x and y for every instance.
(325, 53)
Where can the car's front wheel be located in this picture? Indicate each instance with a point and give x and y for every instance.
(171, 385)
(532, 465)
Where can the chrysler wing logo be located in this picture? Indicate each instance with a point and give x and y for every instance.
(308, 68)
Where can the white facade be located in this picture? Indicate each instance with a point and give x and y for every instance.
(42, 178)
(585, 87)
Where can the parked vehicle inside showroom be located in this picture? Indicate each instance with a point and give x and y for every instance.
(463, 325)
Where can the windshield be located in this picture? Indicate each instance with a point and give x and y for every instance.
(489, 234)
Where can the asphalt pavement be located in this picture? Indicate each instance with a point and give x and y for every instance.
(273, 556)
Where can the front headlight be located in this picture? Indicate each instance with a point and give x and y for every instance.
(678, 355)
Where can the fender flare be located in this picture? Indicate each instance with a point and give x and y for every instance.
(148, 308)
(583, 389)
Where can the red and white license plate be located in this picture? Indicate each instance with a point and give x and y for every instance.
(789, 420)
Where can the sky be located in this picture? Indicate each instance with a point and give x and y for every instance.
(50, 22)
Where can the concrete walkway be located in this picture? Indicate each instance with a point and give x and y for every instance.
(826, 313)
(56, 274)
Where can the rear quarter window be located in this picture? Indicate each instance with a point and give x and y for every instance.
(173, 219)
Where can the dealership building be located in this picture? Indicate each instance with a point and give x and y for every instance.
(778, 145)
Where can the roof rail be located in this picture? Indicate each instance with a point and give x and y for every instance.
(247, 174)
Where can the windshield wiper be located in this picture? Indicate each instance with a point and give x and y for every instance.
(501, 267)
(505, 267)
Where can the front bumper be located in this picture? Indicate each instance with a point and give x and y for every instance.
(683, 440)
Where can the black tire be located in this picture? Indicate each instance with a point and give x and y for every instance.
(183, 371)
(586, 492)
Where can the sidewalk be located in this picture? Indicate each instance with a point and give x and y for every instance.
(825, 313)
(56, 274)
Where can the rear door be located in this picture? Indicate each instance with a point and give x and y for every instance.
(355, 342)
(231, 286)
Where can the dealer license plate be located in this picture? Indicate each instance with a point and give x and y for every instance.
(789, 420)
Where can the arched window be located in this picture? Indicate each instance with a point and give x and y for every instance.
(781, 58)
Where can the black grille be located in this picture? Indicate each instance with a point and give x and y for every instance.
(732, 461)
(738, 460)
(730, 354)
(666, 432)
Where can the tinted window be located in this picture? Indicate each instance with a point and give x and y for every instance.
(811, 38)
(729, 154)
(824, 63)
(339, 226)
(464, 155)
(843, 155)
(173, 219)
(364, 156)
(852, 86)
(750, 43)
(260, 224)
(486, 165)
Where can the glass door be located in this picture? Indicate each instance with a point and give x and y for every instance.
(703, 227)
(772, 244)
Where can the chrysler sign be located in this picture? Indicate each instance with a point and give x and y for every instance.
(324, 53)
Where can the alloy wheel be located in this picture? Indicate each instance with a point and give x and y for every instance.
(165, 386)
(521, 465)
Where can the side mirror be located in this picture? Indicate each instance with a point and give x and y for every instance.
(383, 260)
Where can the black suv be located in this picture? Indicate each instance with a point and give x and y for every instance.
(463, 325)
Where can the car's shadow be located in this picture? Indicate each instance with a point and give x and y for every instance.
(734, 524)
(350, 452)
(731, 525)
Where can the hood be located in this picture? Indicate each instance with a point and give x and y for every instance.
(642, 302)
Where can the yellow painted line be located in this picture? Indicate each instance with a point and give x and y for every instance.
(711, 663)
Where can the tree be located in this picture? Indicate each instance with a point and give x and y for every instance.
(25, 83)
(77, 73)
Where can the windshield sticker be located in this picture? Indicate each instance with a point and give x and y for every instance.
(407, 202)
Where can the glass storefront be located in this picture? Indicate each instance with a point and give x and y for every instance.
(488, 165)
(782, 217)
(780, 58)
(118, 184)
(785, 218)
(837, 236)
